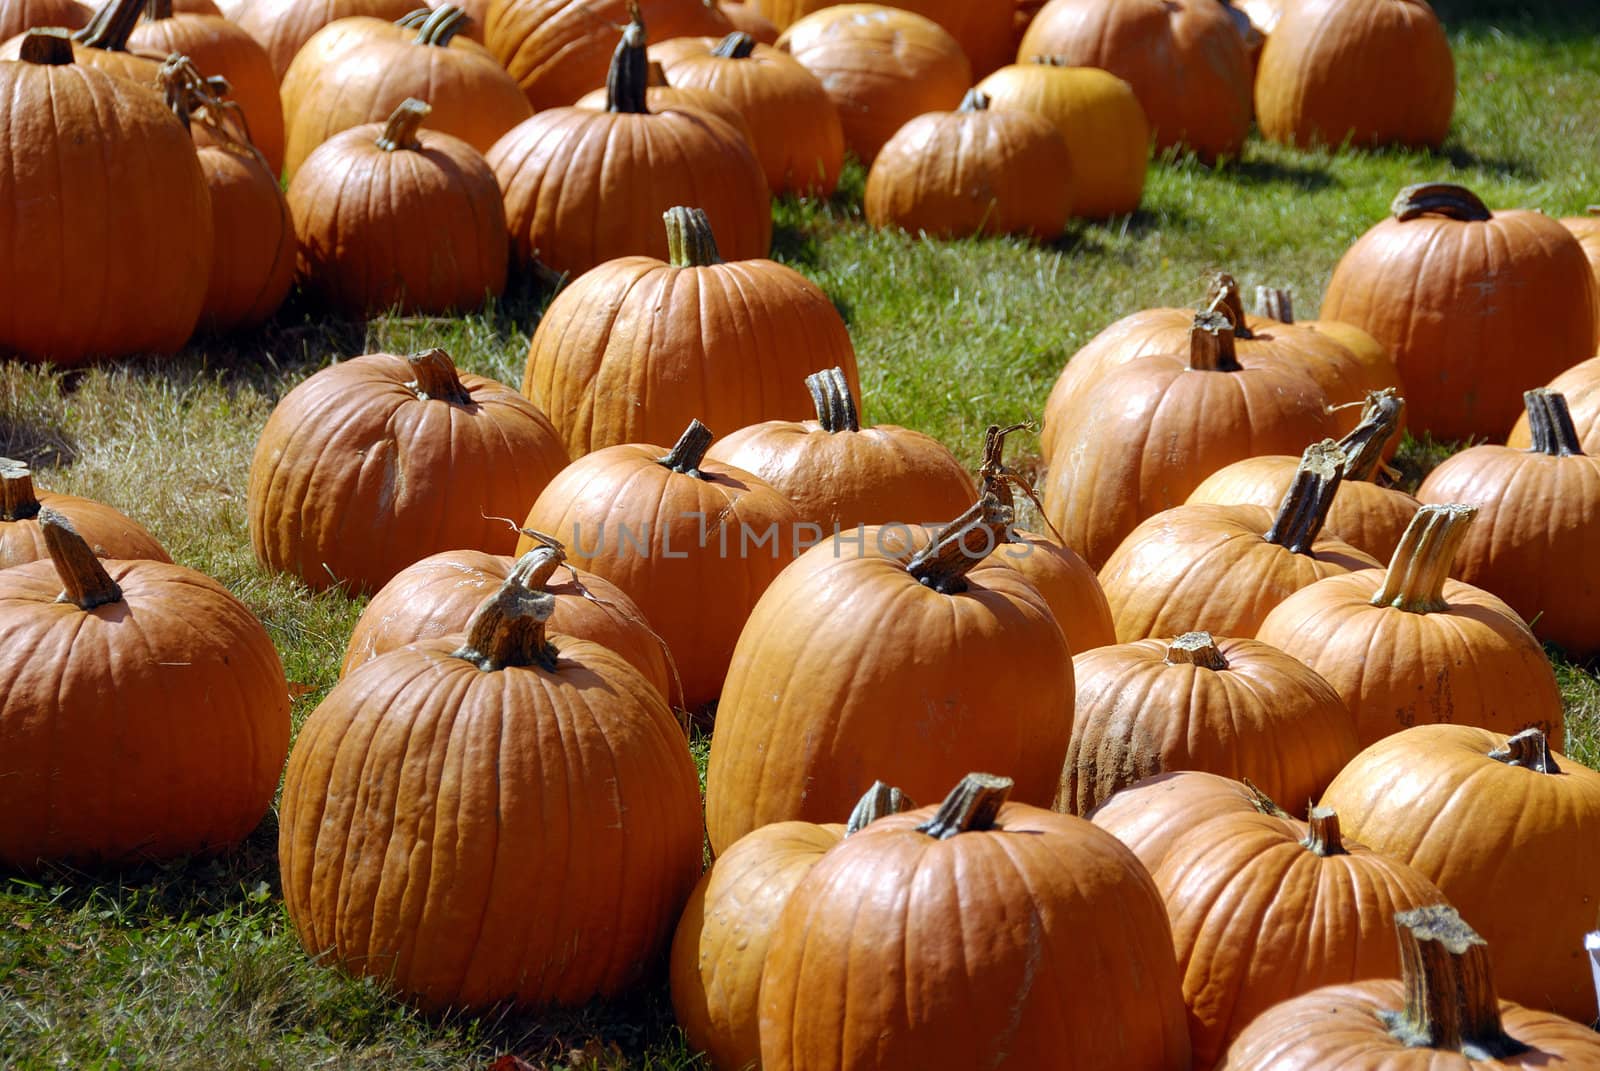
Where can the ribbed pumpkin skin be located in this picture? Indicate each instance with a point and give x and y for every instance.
(144, 729)
(108, 532)
(1586, 229)
(418, 228)
(962, 173)
(1580, 385)
(1368, 517)
(983, 28)
(253, 265)
(583, 187)
(1431, 797)
(558, 50)
(1211, 566)
(636, 348)
(1100, 119)
(283, 26)
(1265, 717)
(721, 943)
(1452, 299)
(901, 951)
(794, 124)
(18, 16)
(882, 66)
(747, 19)
(357, 476)
(1378, 72)
(1067, 583)
(1151, 815)
(549, 820)
(89, 157)
(668, 98)
(847, 660)
(220, 47)
(141, 70)
(639, 524)
(436, 597)
(471, 95)
(1184, 59)
(1533, 543)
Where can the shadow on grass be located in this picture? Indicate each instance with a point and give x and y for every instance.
(1545, 20)
(36, 444)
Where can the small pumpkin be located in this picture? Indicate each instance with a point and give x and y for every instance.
(102, 43)
(1153, 813)
(983, 30)
(284, 26)
(746, 19)
(1580, 386)
(1375, 362)
(107, 531)
(20, 16)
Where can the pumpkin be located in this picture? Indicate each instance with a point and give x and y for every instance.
(556, 49)
(1480, 813)
(1264, 909)
(1453, 289)
(1370, 72)
(1237, 708)
(253, 251)
(975, 921)
(436, 597)
(470, 94)
(1408, 646)
(22, 535)
(1376, 365)
(1223, 568)
(882, 66)
(1155, 812)
(19, 16)
(143, 715)
(1184, 59)
(284, 26)
(1538, 523)
(583, 187)
(1586, 229)
(721, 942)
(102, 43)
(621, 512)
(1366, 515)
(541, 791)
(77, 134)
(660, 96)
(1580, 386)
(840, 476)
(392, 216)
(858, 659)
(376, 462)
(972, 171)
(983, 30)
(795, 128)
(223, 49)
(1149, 432)
(746, 19)
(637, 347)
(1098, 117)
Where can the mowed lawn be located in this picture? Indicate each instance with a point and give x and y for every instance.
(196, 965)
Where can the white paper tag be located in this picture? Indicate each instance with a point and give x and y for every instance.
(1591, 942)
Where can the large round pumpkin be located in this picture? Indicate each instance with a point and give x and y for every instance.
(1150, 816)
(22, 535)
(540, 793)
(660, 96)
(983, 29)
(1580, 386)
(374, 463)
(284, 26)
(143, 711)
(102, 43)
(1455, 290)
(20, 16)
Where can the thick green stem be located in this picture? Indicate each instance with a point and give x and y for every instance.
(690, 449)
(1451, 1004)
(49, 47)
(971, 807)
(1196, 649)
(958, 547)
(1324, 838)
(1304, 509)
(1224, 297)
(85, 582)
(18, 501)
(412, 20)
(1550, 424)
(400, 132)
(881, 800)
(508, 629)
(976, 100)
(690, 241)
(629, 76)
(1424, 558)
(441, 25)
(1211, 344)
(437, 377)
(836, 408)
(1529, 749)
(1363, 446)
(111, 26)
(1275, 303)
(737, 45)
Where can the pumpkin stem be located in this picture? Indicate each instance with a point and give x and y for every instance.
(85, 581)
(1274, 303)
(690, 449)
(836, 408)
(1324, 838)
(1550, 423)
(976, 100)
(1263, 802)
(1211, 345)
(507, 630)
(1051, 61)
(690, 241)
(960, 545)
(437, 378)
(400, 132)
(1363, 445)
(1451, 1004)
(534, 569)
(48, 47)
(1439, 199)
(881, 799)
(1529, 749)
(971, 807)
(1304, 508)
(736, 45)
(1422, 562)
(629, 75)
(441, 24)
(1223, 296)
(18, 502)
(1196, 649)
(411, 20)
(156, 10)
(111, 26)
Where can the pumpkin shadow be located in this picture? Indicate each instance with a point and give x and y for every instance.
(1254, 171)
(35, 443)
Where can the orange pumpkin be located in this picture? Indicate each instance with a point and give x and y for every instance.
(22, 535)
(20, 16)
(1184, 59)
(1586, 229)
(747, 19)
(1580, 386)
(1151, 815)
(636, 348)
(1418, 283)
(1237, 708)
(1480, 813)
(102, 43)
(284, 26)
(982, 29)
(143, 713)
(376, 462)
(659, 96)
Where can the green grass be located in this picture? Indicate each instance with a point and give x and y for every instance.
(195, 965)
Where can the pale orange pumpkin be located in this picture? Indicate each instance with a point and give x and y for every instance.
(22, 536)
(1152, 814)
(1580, 386)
